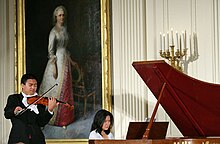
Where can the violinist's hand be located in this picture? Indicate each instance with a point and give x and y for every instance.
(52, 103)
(17, 109)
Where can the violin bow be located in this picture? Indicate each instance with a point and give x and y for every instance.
(25, 109)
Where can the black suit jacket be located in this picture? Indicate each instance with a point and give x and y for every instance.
(26, 127)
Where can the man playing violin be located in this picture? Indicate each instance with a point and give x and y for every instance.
(26, 126)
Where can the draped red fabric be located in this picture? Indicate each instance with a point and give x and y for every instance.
(65, 115)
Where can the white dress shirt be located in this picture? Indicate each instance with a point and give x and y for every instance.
(32, 107)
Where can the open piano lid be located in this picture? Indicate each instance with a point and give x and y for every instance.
(193, 105)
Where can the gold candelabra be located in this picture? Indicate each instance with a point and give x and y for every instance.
(174, 56)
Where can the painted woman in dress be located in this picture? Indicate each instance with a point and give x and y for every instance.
(58, 69)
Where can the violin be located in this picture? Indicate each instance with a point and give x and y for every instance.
(44, 101)
(41, 100)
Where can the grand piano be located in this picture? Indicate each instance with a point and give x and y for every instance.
(192, 104)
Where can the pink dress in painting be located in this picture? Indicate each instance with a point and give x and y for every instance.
(58, 70)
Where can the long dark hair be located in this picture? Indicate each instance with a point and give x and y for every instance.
(99, 120)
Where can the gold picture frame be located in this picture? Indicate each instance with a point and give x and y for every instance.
(20, 54)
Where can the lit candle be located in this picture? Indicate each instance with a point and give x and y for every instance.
(177, 44)
(192, 41)
(160, 41)
(190, 44)
(180, 46)
(185, 39)
(195, 43)
(164, 42)
(168, 40)
(172, 43)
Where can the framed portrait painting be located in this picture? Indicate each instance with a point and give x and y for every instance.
(87, 52)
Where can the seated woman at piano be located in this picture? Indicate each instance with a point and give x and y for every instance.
(101, 126)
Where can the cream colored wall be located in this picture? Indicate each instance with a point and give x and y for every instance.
(129, 44)
(6, 62)
(135, 28)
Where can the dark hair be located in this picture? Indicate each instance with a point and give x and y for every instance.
(25, 77)
(99, 120)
